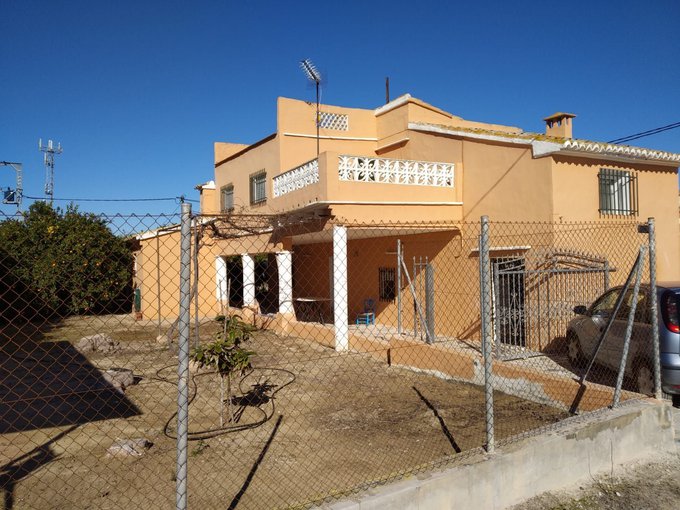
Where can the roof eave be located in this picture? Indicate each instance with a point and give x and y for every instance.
(612, 157)
(542, 147)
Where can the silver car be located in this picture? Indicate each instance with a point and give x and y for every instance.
(584, 331)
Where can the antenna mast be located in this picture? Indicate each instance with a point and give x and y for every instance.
(50, 150)
(313, 75)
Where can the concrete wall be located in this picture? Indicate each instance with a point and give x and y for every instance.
(571, 453)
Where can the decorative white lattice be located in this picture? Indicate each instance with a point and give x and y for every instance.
(297, 178)
(337, 121)
(395, 171)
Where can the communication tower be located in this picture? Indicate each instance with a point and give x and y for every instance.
(49, 150)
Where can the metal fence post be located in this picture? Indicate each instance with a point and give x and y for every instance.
(653, 308)
(487, 336)
(197, 322)
(629, 326)
(399, 248)
(183, 363)
(429, 302)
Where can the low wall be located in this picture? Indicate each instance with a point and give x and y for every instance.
(457, 361)
(571, 453)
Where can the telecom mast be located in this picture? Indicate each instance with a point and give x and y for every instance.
(314, 76)
(50, 150)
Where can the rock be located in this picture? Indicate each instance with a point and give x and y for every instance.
(119, 378)
(163, 340)
(98, 343)
(129, 447)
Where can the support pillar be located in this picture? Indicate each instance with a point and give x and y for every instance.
(248, 280)
(284, 262)
(340, 311)
(222, 289)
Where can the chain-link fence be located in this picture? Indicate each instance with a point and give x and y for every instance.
(252, 361)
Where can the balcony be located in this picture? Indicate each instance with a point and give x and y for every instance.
(395, 171)
(343, 181)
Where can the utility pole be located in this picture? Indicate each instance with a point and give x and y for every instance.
(49, 150)
(14, 196)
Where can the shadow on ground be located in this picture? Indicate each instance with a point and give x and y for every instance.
(51, 384)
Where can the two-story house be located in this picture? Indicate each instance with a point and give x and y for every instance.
(409, 179)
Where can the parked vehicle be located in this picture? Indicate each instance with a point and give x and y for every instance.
(583, 333)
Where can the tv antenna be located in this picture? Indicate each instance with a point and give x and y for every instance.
(313, 75)
(14, 196)
(50, 150)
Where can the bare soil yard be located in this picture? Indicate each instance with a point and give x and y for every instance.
(312, 423)
(640, 486)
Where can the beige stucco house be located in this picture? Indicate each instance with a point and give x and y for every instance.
(405, 178)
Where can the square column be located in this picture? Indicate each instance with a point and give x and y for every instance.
(284, 262)
(248, 280)
(221, 283)
(340, 309)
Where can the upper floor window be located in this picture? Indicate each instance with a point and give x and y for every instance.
(258, 187)
(618, 192)
(227, 198)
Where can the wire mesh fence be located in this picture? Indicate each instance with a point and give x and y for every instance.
(318, 357)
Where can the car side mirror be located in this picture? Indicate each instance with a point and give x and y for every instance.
(580, 310)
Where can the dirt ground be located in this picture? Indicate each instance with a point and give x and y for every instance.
(640, 486)
(309, 423)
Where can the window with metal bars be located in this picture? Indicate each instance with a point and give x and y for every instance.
(387, 288)
(258, 187)
(227, 198)
(618, 192)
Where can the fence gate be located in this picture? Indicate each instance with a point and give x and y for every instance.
(534, 296)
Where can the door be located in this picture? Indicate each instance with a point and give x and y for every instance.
(508, 293)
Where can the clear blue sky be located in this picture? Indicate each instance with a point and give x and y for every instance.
(137, 91)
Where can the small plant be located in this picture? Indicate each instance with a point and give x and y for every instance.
(226, 356)
(200, 447)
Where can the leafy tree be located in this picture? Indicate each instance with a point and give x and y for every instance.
(226, 356)
(70, 260)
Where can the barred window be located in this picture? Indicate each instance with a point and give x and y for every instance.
(258, 188)
(227, 198)
(388, 288)
(618, 192)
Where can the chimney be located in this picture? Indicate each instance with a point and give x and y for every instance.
(559, 125)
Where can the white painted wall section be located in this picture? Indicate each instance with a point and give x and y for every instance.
(248, 280)
(284, 261)
(221, 280)
(340, 311)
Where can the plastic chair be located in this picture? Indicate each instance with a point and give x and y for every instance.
(368, 315)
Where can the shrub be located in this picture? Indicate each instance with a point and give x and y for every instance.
(70, 260)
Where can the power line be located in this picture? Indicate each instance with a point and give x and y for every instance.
(646, 133)
(174, 199)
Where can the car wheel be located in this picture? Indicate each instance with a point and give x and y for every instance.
(576, 357)
(644, 378)
(676, 400)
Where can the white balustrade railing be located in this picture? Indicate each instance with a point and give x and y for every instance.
(395, 171)
(297, 178)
